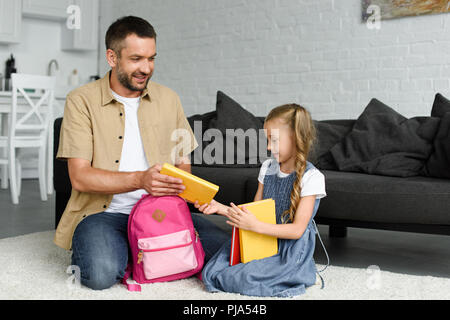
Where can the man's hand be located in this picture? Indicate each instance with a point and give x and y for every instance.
(85, 178)
(158, 184)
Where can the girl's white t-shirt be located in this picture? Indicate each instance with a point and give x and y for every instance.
(133, 156)
(312, 183)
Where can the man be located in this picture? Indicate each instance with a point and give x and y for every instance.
(115, 134)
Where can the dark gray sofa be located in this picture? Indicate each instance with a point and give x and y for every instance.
(414, 203)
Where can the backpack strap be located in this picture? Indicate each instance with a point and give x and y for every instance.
(130, 286)
(326, 253)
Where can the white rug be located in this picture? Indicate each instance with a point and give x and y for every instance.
(34, 268)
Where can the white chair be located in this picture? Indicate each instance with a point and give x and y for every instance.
(29, 128)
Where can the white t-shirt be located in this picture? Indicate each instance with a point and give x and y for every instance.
(312, 183)
(133, 156)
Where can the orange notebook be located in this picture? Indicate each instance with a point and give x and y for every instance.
(235, 252)
(255, 245)
(196, 188)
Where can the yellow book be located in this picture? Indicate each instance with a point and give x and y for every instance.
(196, 188)
(255, 245)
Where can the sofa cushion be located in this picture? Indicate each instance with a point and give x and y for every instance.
(438, 165)
(372, 198)
(441, 106)
(384, 142)
(231, 182)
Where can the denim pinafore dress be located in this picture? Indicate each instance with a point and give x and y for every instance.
(285, 274)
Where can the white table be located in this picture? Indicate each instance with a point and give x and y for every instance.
(5, 109)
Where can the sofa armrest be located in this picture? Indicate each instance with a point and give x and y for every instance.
(61, 180)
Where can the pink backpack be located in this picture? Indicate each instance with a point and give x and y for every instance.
(164, 244)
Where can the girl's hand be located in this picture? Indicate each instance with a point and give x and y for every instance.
(242, 218)
(208, 208)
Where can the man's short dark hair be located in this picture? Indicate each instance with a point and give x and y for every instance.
(125, 26)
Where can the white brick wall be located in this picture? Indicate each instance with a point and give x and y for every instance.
(318, 53)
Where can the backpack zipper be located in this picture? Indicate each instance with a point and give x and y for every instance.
(197, 236)
(140, 256)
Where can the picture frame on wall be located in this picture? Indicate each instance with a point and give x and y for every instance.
(391, 9)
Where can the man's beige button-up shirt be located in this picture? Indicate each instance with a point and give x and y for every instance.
(92, 125)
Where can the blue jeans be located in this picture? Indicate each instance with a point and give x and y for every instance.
(100, 246)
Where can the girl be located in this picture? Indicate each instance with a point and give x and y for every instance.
(297, 187)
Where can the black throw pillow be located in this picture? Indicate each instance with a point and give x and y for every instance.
(245, 151)
(328, 134)
(384, 142)
(231, 115)
(441, 106)
(438, 165)
(202, 121)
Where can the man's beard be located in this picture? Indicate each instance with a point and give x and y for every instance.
(126, 80)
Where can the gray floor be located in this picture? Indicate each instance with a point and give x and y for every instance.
(401, 252)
